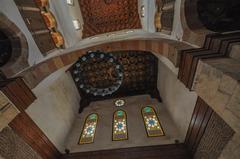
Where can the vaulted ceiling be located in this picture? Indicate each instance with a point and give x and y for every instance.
(102, 16)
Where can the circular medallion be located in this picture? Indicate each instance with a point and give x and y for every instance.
(98, 73)
(119, 103)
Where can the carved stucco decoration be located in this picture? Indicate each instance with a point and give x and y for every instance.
(102, 16)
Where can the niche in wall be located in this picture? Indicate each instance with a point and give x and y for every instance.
(220, 15)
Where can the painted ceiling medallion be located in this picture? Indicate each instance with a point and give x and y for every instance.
(119, 103)
(98, 73)
(104, 16)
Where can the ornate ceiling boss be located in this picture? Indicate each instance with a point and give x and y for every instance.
(103, 16)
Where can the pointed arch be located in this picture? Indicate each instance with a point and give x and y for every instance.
(151, 122)
(89, 129)
(120, 131)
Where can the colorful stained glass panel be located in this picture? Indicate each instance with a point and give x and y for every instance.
(151, 122)
(120, 126)
(89, 129)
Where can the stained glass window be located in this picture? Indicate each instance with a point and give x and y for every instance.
(120, 126)
(151, 122)
(89, 129)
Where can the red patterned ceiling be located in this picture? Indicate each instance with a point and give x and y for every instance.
(102, 16)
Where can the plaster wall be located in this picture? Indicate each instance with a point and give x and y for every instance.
(56, 106)
(136, 131)
(177, 99)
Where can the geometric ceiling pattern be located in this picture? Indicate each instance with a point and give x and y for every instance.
(103, 16)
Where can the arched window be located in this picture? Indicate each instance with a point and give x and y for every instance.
(89, 129)
(119, 126)
(151, 122)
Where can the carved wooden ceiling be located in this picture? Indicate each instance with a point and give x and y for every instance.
(100, 76)
(102, 16)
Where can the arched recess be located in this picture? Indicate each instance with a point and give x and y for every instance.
(18, 48)
(202, 17)
(220, 15)
(164, 16)
(168, 48)
(194, 31)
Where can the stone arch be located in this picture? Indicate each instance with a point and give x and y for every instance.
(194, 31)
(219, 16)
(198, 20)
(168, 48)
(19, 47)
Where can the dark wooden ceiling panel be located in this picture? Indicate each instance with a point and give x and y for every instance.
(139, 70)
(102, 16)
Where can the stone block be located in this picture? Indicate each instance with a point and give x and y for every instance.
(44, 68)
(51, 65)
(234, 104)
(207, 82)
(58, 62)
(227, 85)
(219, 101)
(235, 52)
(226, 65)
(155, 46)
(231, 119)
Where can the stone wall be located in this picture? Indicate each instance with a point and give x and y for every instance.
(13, 147)
(220, 88)
(217, 83)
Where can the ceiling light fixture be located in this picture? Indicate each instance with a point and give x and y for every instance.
(70, 2)
(142, 12)
(92, 38)
(76, 24)
(130, 31)
(110, 35)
